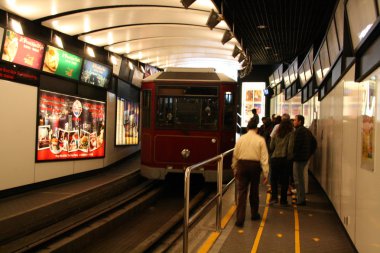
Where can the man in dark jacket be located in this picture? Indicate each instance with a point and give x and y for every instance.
(301, 144)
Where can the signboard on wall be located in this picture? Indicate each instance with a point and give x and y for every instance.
(69, 127)
(368, 121)
(22, 50)
(18, 74)
(252, 98)
(95, 74)
(62, 63)
(127, 122)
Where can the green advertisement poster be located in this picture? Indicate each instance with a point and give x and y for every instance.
(62, 63)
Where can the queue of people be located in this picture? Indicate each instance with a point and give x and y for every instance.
(280, 150)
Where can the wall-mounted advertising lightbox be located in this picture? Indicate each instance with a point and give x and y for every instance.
(95, 74)
(69, 127)
(22, 50)
(62, 63)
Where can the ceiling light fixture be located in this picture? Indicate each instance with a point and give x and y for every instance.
(236, 51)
(227, 36)
(58, 41)
(187, 3)
(90, 51)
(261, 26)
(113, 60)
(130, 65)
(267, 47)
(213, 19)
(241, 58)
(16, 26)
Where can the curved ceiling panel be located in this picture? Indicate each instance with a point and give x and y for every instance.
(159, 61)
(80, 23)
(135, 32)
(42, 9)
(137, 45)
(201, 62)
(157, 52)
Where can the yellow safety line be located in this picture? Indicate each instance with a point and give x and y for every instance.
(214, 235)
(261, 228)
(296, 231)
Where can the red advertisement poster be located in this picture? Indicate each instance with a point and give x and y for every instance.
(70, 127)
(22, 50)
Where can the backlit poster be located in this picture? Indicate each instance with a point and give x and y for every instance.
(127, 122)
(22, 50)
(95, 74)
(368, 96)
(62, 63)
(252, 98)
(69, 127)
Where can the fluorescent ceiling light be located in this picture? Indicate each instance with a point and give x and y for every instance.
(16, 26)
(90, 51)
(58, 41)
(113, 60)
(363, 33)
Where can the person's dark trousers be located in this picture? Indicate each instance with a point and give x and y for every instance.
(280, 175)
(248, 173)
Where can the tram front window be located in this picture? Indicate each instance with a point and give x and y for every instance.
(187, 112)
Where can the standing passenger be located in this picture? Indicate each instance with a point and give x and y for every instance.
(280, 165)
(250, 157)
(255, 117)
(302, 144)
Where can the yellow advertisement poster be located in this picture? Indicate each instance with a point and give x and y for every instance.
(368, 130)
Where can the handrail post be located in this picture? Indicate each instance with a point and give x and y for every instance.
(220, 195)
(186, 210)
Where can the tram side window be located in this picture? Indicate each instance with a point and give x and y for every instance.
(165, 112)
(146, 108)
(187, 112)
(229, 108)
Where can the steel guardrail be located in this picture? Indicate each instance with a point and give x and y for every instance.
(218, 197)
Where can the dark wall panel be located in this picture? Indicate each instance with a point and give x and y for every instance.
(58, 85)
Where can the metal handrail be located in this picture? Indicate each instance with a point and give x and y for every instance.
(220, 191)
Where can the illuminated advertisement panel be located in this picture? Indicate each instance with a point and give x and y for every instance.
(95, 74)
(127, 122)
(69, 127)
(62, 63)
(22, 50)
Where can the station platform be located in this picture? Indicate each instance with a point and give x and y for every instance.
(311, 228)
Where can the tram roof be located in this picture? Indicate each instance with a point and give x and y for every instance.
(189, 75)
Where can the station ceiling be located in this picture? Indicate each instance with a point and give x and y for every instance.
(166, 34)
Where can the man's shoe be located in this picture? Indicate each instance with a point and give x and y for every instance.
(284, 203)
(273, 201)
(301, 203)
(256, 217)
(239, 224)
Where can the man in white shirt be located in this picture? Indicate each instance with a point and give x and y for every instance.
(250, 158)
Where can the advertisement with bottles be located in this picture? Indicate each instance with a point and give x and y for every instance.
(127, 122)
(69, 127)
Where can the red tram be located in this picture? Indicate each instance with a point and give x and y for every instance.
(188, 116)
